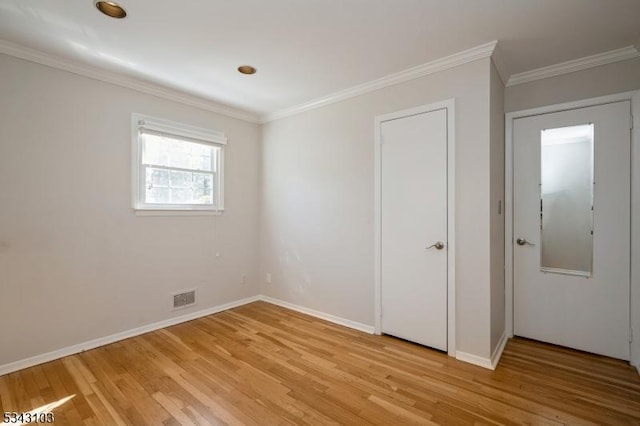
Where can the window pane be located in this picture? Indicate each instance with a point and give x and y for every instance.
(181, 179)
(178, 187)
(179, 159)
(202, 188)
(566, 205)
(205, 161)
(170, 152)
(156, 150)
(181, 196)
(158, 177)
(156, 195)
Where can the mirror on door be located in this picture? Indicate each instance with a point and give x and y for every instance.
(566, 200)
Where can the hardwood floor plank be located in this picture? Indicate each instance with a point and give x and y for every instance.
(404, 415)
(261, 364)
(105, 412)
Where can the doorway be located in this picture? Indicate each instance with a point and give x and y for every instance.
(414, 225)
(569, 225)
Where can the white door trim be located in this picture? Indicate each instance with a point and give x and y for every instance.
(634, 97)
(449, 105)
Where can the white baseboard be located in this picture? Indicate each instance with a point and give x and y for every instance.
(474, 359)
(91, 344)
(327, 317)
(497, 353)
(490, 363)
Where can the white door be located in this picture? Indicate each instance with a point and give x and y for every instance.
(414, 228)
(572, 228)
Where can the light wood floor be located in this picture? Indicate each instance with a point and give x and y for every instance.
(264, 365)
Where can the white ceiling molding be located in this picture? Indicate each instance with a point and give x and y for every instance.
(587, 62)
(49, 60)
(457, 59)
(501, 67)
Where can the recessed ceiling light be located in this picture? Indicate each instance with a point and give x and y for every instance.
(246, 69)
(111, 9)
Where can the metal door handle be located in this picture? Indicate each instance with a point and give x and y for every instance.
(439, 246)
(522, 242)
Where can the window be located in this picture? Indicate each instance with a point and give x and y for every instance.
(176, 167)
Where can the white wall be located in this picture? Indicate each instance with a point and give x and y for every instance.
(599, 81)
(317, 201)
(75, 262)
(497, 209)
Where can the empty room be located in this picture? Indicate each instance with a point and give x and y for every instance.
(348, 212)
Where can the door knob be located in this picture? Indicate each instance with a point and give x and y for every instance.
(439, 246)
(522, 242)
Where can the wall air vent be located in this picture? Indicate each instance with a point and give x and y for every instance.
(182, 300)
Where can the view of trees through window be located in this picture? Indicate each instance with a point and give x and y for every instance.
(179, 171)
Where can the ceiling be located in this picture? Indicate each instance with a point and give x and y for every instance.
(306, 49)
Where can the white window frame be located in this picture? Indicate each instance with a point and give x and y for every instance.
(140, 122)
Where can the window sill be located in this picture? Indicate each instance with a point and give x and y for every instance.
(178, 212)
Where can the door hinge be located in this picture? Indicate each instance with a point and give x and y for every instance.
(630, 334)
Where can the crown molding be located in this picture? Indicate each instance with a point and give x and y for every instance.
(498, 60)
(587, 62)
(121, 80)
(457, 59)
